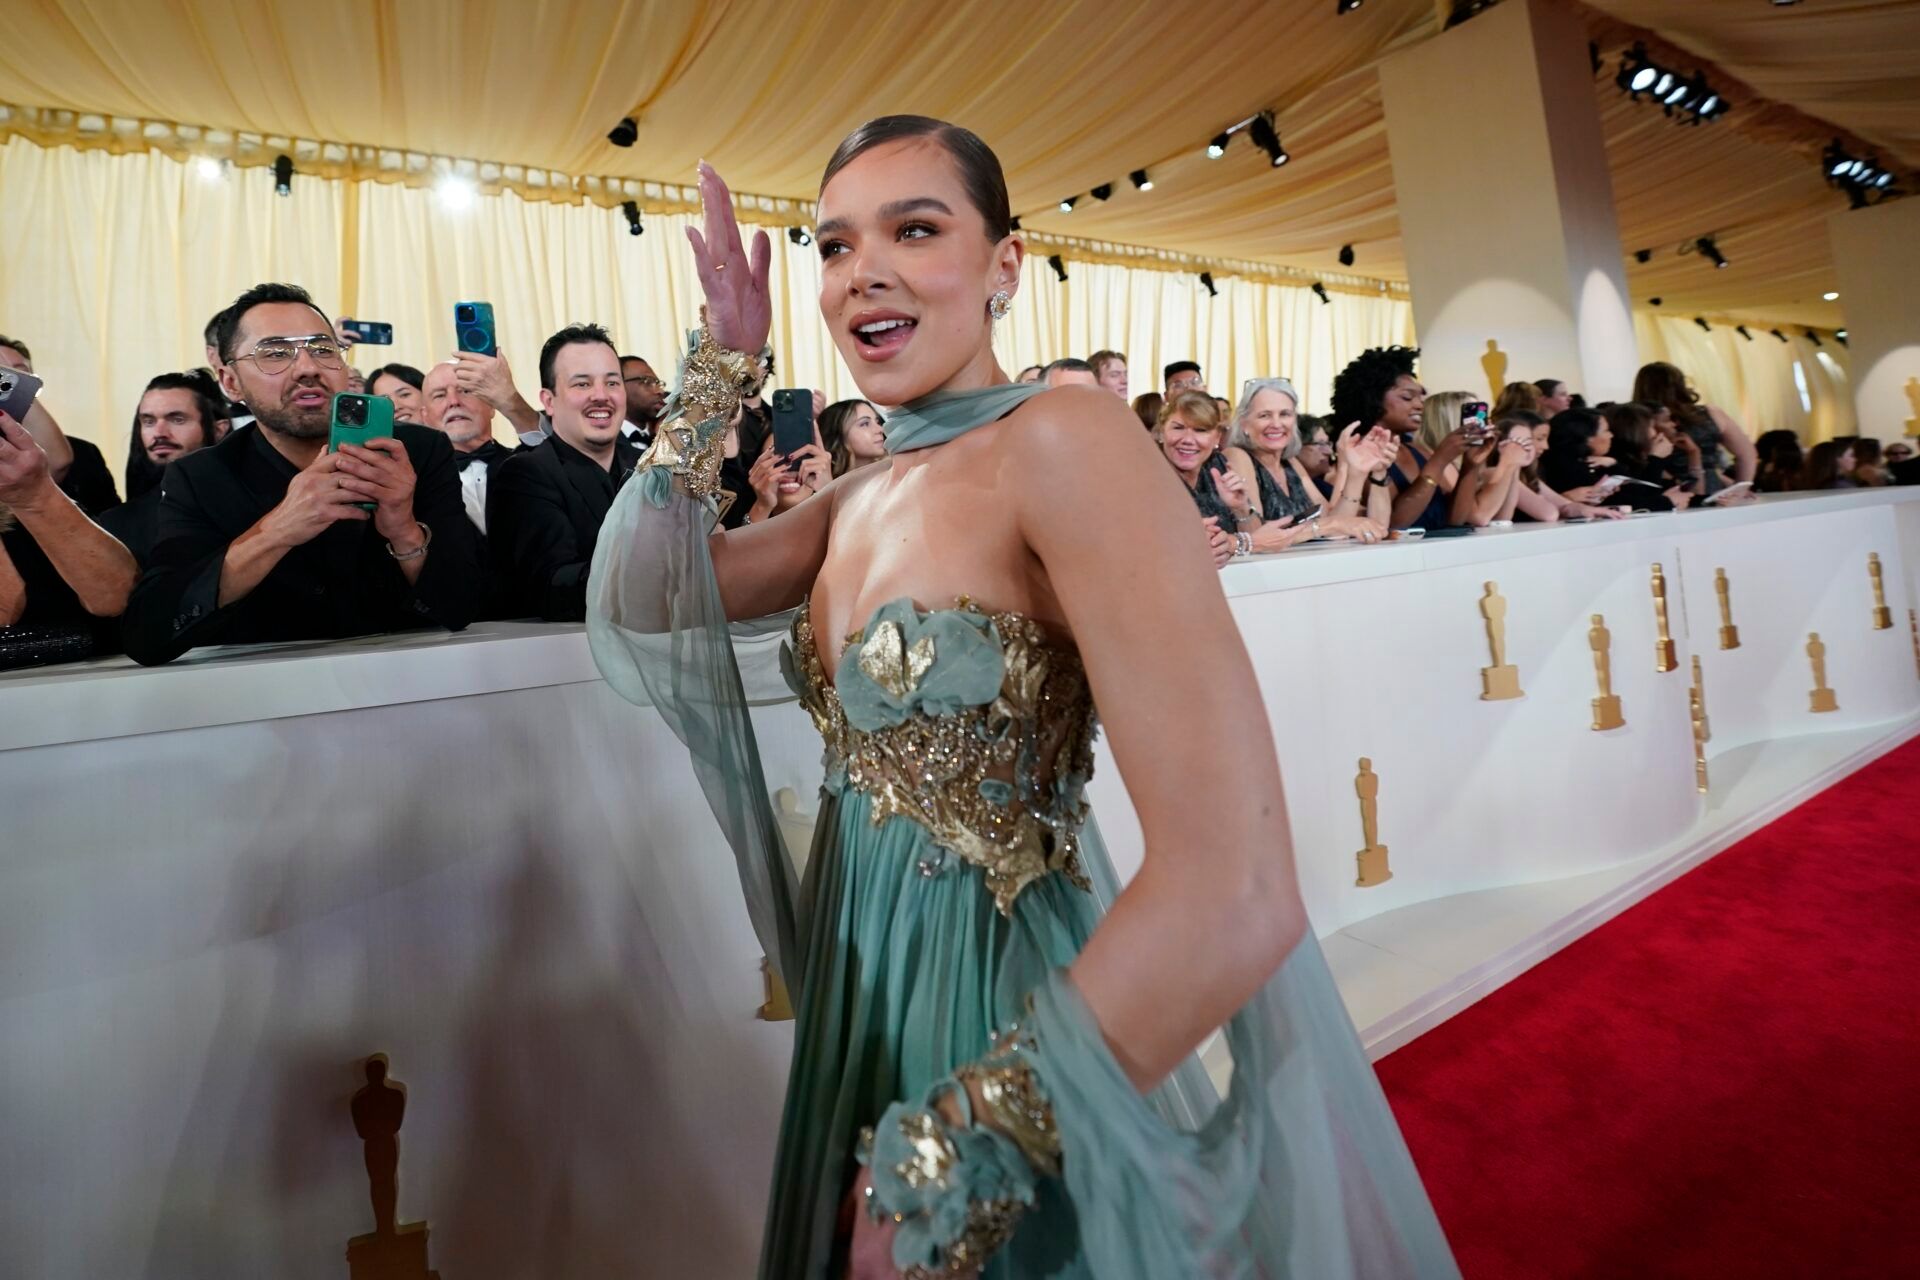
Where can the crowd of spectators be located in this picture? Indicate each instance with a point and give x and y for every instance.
(242, 524)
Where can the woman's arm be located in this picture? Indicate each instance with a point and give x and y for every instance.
(1541, 504)
(89, 559)
(1210, 916)
(13, 591)
(1746, 459)
(769, 565)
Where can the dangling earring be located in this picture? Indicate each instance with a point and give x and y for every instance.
(1000, 305)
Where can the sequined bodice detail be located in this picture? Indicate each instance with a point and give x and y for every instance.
(971, 724)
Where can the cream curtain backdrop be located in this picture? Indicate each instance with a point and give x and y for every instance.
(1754, 380)
(115, 263)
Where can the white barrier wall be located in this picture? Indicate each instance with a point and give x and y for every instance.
(225, 883)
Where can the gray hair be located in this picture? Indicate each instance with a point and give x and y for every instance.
(1248, 390)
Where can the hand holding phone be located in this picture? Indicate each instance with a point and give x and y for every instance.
(358, 419)
(792, 421)
(371, 333)
(17, 390)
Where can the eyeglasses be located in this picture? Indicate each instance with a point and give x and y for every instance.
(653, 384)
(272, 355)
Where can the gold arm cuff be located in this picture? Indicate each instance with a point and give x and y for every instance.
(1011, 1101)
(691, 442)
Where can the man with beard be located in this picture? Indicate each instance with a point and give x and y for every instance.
(646, 399)
(263, 536)
(179, 414)
(467, 422)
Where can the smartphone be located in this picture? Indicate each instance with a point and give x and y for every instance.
(356, 420)
(792, 420)
(473, 327)
(370, 333)
(1216, 462)
(17, 390)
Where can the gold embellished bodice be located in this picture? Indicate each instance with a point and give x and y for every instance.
(971, 724)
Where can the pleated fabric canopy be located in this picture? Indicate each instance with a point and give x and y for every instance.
(1074, 96)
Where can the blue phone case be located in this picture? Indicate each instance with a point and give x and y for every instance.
(473, 327)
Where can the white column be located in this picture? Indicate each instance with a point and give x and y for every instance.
(1506, 204)
(1876, 257)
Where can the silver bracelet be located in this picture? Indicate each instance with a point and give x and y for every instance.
(426, 540)
(1242, 544)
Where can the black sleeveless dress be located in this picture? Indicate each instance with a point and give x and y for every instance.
(1278, 505)
(1208, 499)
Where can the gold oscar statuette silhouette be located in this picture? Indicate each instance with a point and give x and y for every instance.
(1495, 365)
(1499, 681)
(1822, 697)
(1606, 707)
(1702, 730)
(1729, 634)
(1665, 656)
(778, 1007)
(1913, 398)
(1913, 625)
(1372, 859)
(1882, 616)
(395, 1251)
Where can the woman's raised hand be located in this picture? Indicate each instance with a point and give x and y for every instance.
(739, 304)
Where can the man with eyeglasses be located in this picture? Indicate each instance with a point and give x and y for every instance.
(263, 536)
(646, 399)
(1182, 375)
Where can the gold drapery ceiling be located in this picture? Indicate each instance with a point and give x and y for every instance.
(1071, 95)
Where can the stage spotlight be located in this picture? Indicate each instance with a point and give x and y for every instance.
(1103, 192)
(1711, 252)
(283, 175)
(1218, 147)
(1059, 266)
(1206, 278)
(1702, 322)
(624, 134)
(1066, 206)
(1267, 139)
(1776, 333)
(1830, 296)
(631, 208)
(1742, 331)
(1643, 255)
(1840, 336)
(1654, 302)
(209, 169)
(1013, 224)
(1346, 6)
(1320, 291)
(1637, 72)
(1140, 180)
(800, 236)
(1863, 181)
(1814, 338)
(1346, 255)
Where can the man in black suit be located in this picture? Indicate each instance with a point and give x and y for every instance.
(261, 537)
(545, 504)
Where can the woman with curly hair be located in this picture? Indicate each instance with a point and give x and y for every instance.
(1379, 389)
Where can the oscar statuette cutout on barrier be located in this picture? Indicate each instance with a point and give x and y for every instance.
(1729, 634)
(1665, 656)
(1499, 681)
(1822, 697)
(1606, 707)
(1702, 729)
(1372, 859)
(1913, 625)
(1882, 615)
(777, 1007)
(394, 1251)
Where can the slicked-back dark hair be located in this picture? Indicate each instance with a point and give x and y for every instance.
(1178, 366)
(227, 323)
(585, 334)
(405, 372)
(1360, 390)
(979, 168)
(143, 473)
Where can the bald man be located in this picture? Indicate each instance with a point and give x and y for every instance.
(467, 422)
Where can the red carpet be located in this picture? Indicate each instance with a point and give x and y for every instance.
(1724, 1081)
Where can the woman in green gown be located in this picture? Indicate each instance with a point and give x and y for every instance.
(994, 1067)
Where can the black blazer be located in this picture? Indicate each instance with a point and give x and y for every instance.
(544, 509)
(342, 583)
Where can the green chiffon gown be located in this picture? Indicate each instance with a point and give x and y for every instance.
(955, 875)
